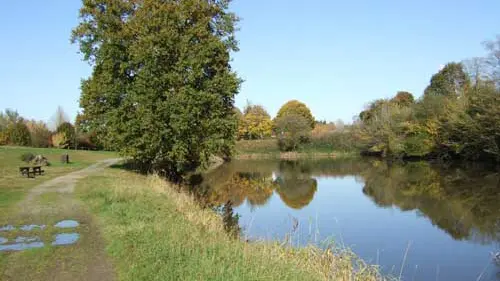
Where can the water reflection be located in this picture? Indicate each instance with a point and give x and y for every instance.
(381, 206)
(463, 202)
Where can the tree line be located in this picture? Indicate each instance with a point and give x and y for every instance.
(19, 131)
(162, 92)
(458, 115)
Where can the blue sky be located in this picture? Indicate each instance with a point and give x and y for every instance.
(335, 56)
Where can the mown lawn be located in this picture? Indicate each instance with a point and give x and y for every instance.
(13, 186)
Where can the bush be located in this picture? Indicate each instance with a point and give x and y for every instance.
(27, 157)
(84, 141)
(335, 141)
(59, 140)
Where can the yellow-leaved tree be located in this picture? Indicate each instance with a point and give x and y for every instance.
(255, 123)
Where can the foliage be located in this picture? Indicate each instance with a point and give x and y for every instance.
(255, 123)
(60, 140)
(162, 88)
(451, 81)
(69, 133)
(452, 119)
(403, 98)
(295, 107)
(27, 157)
(40, 134)
(322, 129)
(292, 129)
(18, 134)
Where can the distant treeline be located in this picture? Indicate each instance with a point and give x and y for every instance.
(458, 116)
(19, 131)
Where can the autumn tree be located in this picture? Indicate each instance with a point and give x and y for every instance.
(295, 107)
(68, 131)
(162, 88)
(255, 123)
(403, 98)
(13, 129)
(40, 133)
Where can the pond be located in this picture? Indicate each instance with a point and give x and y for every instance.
(417, 220)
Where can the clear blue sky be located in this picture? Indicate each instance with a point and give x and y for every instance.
(335, 56)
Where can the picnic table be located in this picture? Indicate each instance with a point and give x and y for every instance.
(31, 171)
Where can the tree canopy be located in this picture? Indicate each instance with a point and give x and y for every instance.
(295, 107)
(255, 123)
(451, 81)
(162, 88)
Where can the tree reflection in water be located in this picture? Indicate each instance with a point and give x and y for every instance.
(464, 202)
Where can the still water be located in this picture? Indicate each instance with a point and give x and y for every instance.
(445, 220)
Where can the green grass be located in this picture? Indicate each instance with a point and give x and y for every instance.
(156, 233)
(268, 148)
(13, 186)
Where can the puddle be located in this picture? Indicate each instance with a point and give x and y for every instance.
(31, 227)
(3, 240)
(67, 224)
(7, 228)
(22, 239)
(21, 246)
(66, 239)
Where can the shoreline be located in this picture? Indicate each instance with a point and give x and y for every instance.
(296, 155)
(139, 213)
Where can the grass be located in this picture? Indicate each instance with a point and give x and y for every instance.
(13, 186)
(268, 149)
(154, 232)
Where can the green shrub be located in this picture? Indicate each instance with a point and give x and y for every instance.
(27, 157)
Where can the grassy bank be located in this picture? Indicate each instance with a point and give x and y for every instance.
(155, 233)
(13, 185)
(268, 149)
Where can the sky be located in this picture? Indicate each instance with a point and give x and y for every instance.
(335, 56)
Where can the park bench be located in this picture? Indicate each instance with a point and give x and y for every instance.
(31, 171)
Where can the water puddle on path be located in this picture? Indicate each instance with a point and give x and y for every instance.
(31, 227)
(22, 243)
(66, 239)
(7, 228)
(67, 224)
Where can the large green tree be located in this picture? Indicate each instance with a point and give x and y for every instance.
(451, 81)
(162, 88)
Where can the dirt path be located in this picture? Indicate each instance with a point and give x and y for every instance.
(46, 205)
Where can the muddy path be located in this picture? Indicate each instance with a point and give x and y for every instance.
(35, 221)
